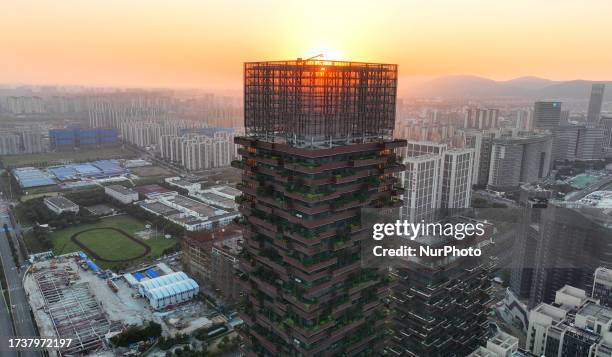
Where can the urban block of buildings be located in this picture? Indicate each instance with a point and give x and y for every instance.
(573, 325)
(191, 214)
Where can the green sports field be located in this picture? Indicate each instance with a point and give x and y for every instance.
(110, 244)
(100, 239)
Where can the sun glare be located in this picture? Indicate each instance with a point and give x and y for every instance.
(326, 54)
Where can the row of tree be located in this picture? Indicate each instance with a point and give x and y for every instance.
(36, 211)
(159, 222)
(150, 331)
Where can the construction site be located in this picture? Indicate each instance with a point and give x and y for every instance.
(70, 300)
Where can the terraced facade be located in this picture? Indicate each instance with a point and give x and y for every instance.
(308, 293)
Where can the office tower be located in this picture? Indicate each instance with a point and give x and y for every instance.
(546, 115)
(602, 286)
(532, 200)
(505, 172)
(456, 180)
(578, 142)
(477, 118)
(519, 159)
(422, 189)
(574, 325)
(565, 142)
(591, 143)
(605, 123)
(565, 114)
(595, 101)
(440, 303)
(482, 143)
(575, 239)
(9, 144)
(315, 153)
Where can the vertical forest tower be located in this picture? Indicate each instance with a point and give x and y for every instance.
(318, 148)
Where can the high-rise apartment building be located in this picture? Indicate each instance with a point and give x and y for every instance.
(316, 152)
(435, 178)
(546, 115)
(9, 144)
(422, 188)
(477, 118)
(196, 151)
(457, 178)
(595, 101)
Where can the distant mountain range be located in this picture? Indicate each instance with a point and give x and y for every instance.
(474, 87)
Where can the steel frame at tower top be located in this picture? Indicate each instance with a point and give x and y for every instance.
(319, 103)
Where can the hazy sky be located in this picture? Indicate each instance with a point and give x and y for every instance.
(203, 43)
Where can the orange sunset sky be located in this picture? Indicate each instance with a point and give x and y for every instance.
(201, 43)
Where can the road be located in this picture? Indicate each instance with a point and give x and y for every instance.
(22, 319)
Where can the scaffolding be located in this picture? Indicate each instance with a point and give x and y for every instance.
(73, 310)
(318, 103)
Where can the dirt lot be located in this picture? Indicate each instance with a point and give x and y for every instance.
(151, 171)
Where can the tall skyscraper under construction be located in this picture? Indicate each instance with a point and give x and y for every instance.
(318, 148)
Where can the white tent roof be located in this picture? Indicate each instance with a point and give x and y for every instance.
(163, 280)
(172, 289)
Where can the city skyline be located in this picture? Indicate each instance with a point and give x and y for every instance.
(205, 43)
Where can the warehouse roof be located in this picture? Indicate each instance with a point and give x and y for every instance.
(32, 177)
